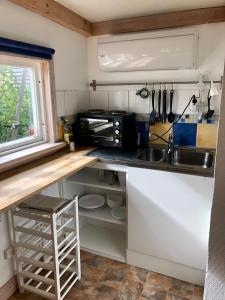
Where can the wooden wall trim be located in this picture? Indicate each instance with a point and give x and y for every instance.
(57, 13)
(161, 21)
(8, 289)
(50, 100)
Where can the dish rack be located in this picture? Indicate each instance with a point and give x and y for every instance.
(47, 249)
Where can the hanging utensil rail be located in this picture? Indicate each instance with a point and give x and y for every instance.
(94, 83)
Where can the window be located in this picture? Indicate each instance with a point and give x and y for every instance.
(22, 110)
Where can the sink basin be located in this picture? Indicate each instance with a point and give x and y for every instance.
(153, 154)
(191, 158)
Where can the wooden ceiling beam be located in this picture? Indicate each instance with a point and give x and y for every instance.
(161, 21)
(63, 16)
(58, 13)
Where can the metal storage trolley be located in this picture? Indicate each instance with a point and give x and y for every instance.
(47, 246)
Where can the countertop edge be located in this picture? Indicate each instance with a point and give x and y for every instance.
(13, 189)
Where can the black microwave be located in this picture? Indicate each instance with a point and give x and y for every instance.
(115, 129)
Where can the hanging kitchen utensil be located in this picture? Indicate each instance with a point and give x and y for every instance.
(171, 115)
(153, 113)
(164, 106)
(143, 93)
(210, 111)
(159, 116)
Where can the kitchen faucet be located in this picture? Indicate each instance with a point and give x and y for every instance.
(170, 144)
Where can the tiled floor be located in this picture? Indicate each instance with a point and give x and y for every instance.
(105, 279)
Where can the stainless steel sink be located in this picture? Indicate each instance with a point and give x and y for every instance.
(183, 157)
(194, 159)
(153, 155)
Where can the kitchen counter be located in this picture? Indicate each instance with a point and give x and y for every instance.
(130, 158)
(34, 177)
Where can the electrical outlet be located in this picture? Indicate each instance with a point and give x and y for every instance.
(8, 253)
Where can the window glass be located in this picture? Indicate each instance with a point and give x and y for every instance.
(21, 115)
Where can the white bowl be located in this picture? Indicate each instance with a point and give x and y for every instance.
(114, 200)
(119, 213)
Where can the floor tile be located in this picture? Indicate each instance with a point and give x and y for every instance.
(82, 290)
(198, 293)
(171, 296)
(106, 279)
(153, 292)
(137, 274)
(25, 296)
(130, 290)
(114, 275)
(105, 292)
(160, 280)
(181, 288)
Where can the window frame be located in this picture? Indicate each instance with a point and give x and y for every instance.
(43, 73)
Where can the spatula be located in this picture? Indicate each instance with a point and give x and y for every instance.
(164, 106)
(153, 113)
(171, 115)
(159, 116)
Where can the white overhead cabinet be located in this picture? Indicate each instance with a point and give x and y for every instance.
(161, 50)
(168, 222)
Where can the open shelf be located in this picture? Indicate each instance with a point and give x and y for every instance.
(103, 241)
(89, 177)
(102, 214)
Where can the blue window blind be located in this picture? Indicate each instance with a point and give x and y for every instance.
(17, 47)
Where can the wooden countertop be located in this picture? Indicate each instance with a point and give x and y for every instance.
(32, 178)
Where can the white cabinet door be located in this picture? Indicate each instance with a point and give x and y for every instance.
(169, 215)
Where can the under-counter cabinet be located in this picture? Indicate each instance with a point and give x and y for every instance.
(100, 233)
(168, 222)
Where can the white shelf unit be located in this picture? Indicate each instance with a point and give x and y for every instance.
(104, 241)
(100, 233)
(47, 249)
(89, 177)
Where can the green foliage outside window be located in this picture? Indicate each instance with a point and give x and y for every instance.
(10, 84)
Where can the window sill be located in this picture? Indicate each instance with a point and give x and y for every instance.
(19, 158)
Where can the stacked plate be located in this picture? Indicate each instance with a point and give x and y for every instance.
(94, 201)
(91, 201)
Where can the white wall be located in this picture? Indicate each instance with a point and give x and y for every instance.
(210, 61)
(71, 52)
(70, 70)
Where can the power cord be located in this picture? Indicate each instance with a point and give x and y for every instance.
(192, 99)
